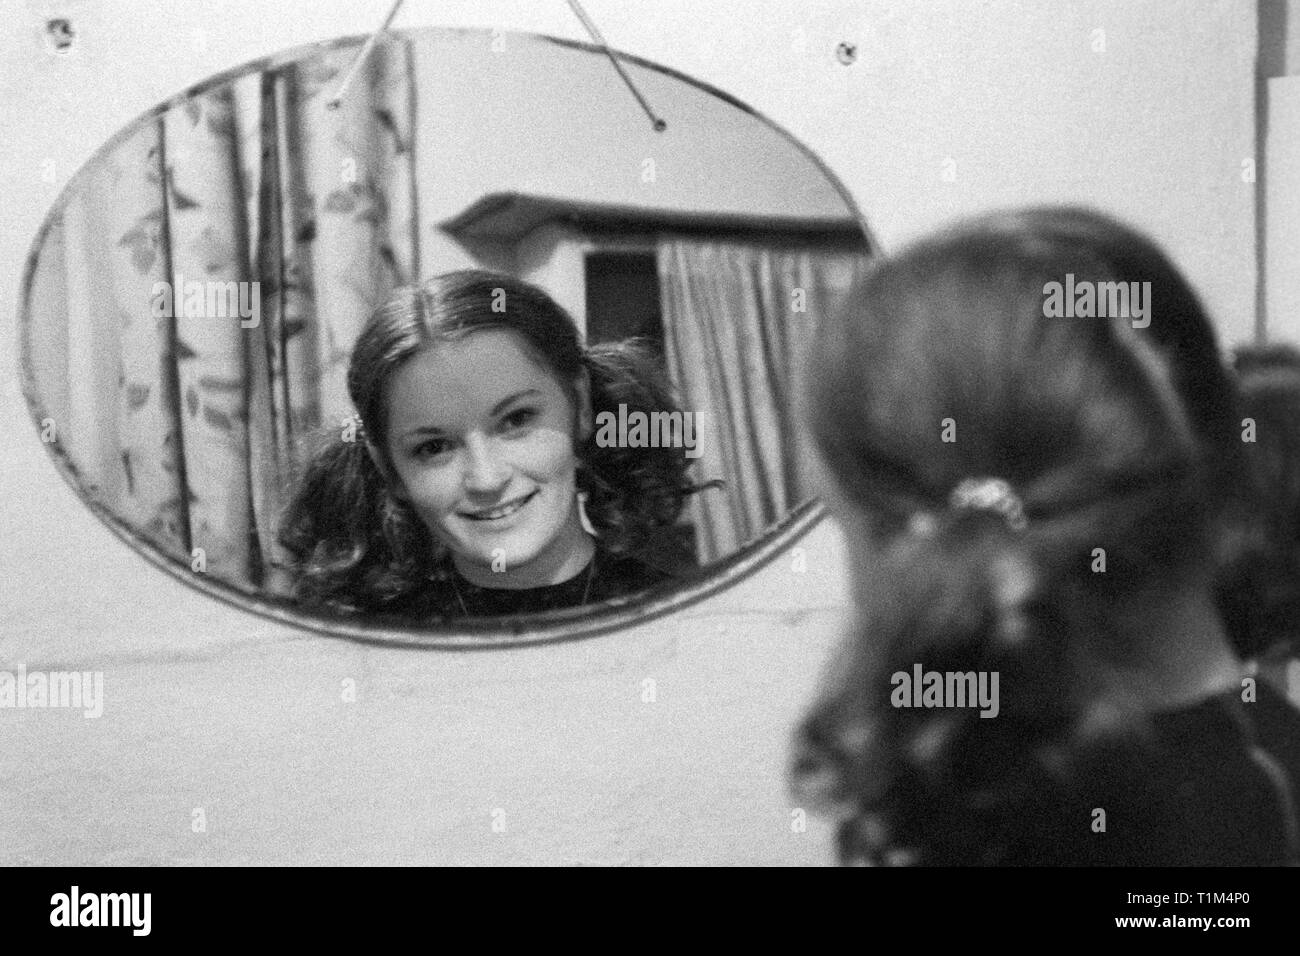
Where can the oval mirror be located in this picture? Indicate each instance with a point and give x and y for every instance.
(192, 305)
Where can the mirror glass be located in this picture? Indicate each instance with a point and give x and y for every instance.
(193, 302)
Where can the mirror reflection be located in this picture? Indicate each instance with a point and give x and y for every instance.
(478, 342)
(490, 469)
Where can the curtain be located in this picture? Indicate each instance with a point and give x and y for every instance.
(737, 318)
(191, 427)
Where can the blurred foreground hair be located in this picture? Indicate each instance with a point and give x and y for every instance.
(1123, 448)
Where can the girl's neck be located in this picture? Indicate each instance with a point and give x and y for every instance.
(1185, 655)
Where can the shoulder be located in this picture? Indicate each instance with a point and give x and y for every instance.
(1207, 784)
(1193, 792)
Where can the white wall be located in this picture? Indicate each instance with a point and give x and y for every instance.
(540, 118)
(515, 114)
(1279, 184)
(207, 707)
(554, 257)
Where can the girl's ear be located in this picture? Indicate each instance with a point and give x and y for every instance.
(586, 420)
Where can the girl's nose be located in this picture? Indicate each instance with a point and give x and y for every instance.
(485, 470)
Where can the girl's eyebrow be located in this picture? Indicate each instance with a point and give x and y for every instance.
(500, 406)
(422, 430)
(496, 410)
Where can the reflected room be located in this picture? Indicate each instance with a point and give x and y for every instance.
(200, 290)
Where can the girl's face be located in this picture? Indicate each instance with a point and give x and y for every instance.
(482, 440)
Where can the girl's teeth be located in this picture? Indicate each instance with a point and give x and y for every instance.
(500, 512)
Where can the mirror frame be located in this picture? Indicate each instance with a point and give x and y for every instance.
(471, 633)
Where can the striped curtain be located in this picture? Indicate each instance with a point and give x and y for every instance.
(189, 427)
(737, 319)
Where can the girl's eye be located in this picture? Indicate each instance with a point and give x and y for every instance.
(431, 448)
(519, 418)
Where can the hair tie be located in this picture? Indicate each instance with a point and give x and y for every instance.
(990, 494)
(354, 425)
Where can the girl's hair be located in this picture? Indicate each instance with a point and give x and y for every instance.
(1182, 333)
(357, 547)
(948, 368)
(1265, 579)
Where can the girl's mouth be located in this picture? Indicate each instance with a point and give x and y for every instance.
(500, 511)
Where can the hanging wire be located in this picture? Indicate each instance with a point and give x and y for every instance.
(658, 124)
(334, 101)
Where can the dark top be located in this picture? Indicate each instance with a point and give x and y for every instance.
(1216, 787)
(605, 577)
(1213, 784)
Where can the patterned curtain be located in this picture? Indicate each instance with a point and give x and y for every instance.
(189, 423)
(737, 318)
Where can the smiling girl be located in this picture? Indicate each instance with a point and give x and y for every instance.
(474, 485)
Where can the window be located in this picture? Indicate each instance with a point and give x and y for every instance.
(623, 298)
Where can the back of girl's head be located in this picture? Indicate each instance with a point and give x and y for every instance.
(1188, 345)
(1184, 334)
(947, 368)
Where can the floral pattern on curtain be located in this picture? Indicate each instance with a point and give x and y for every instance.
(121, 426)
(737, 319)
(190, 428)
